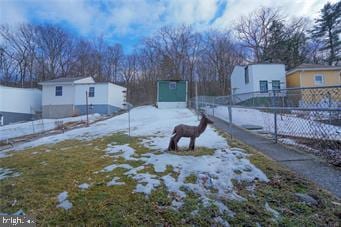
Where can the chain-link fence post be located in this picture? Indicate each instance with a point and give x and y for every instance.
(273, 104)
(230, 110)
(329, 106)
(213, 107)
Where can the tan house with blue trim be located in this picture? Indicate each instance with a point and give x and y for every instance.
(312, 75)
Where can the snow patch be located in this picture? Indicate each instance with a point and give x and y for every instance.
(5, 173)
(146, 182)
(115, 182)
(84, 186)
(273, 212)
(63, 201)
(115, 166)
(126, 150)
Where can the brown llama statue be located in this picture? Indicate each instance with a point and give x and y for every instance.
(188, 131)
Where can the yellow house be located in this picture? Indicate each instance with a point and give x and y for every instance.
(312, 75)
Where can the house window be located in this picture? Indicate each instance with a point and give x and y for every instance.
(246, 75)
(263, 86)
(59, 91)
(172, 85)
(276, 85)
(91, 91)
(318, 79)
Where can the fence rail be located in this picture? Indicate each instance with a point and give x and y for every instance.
(306, 116)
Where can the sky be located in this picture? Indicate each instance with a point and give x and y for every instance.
(129, 21)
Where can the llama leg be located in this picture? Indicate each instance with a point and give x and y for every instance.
(176, 140)
(171, 146)
(191, 144)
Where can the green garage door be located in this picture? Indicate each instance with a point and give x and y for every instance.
(172, 91)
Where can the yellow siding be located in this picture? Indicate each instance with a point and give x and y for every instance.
(293, 80)
(306, 79)
(329, 77)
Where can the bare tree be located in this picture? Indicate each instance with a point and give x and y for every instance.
(222, 55)
(129, 73)
(253, 31)
(54, 51)
(113, 62)
(21, 47)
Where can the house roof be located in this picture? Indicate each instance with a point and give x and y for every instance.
(312, 67)
(63, 80)
(260, 63)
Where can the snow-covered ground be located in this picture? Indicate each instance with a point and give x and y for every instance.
(212, 172)
(286, 124)
(38, 126)
(145, 121)
(212, 175)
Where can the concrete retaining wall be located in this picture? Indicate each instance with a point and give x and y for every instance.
(10, 117)
(58, 111)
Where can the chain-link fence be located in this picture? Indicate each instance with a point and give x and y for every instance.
(309, 117)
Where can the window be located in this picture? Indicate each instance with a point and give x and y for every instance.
(246, 75)
(263, 86)
(318, 79)
(91, 91)
(172, 85)
(276, 85)
(59, 90)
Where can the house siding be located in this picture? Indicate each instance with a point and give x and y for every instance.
(257, 73)
(293, 80)
(19, 104)
(267, 73)
(306, 79)
(172, 98)
(330, 78)
(49, 95)
(20, 100)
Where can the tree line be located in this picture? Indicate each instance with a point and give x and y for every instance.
(34, 53)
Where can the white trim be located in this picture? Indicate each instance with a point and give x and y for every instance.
(170, 105)
(313, 69)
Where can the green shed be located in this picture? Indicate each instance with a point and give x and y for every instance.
(172, 93)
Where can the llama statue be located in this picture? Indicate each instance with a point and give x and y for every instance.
(188, 131)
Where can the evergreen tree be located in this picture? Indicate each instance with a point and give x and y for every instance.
(327, 29)
(286, 45)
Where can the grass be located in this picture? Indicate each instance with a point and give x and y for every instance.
(280, 194)
(191, 179)
(198, 151)
(49, 170)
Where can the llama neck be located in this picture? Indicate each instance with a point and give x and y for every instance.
(202, 126)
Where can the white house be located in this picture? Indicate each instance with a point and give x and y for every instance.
(66, 97)
(258, 78)
(19, 104)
